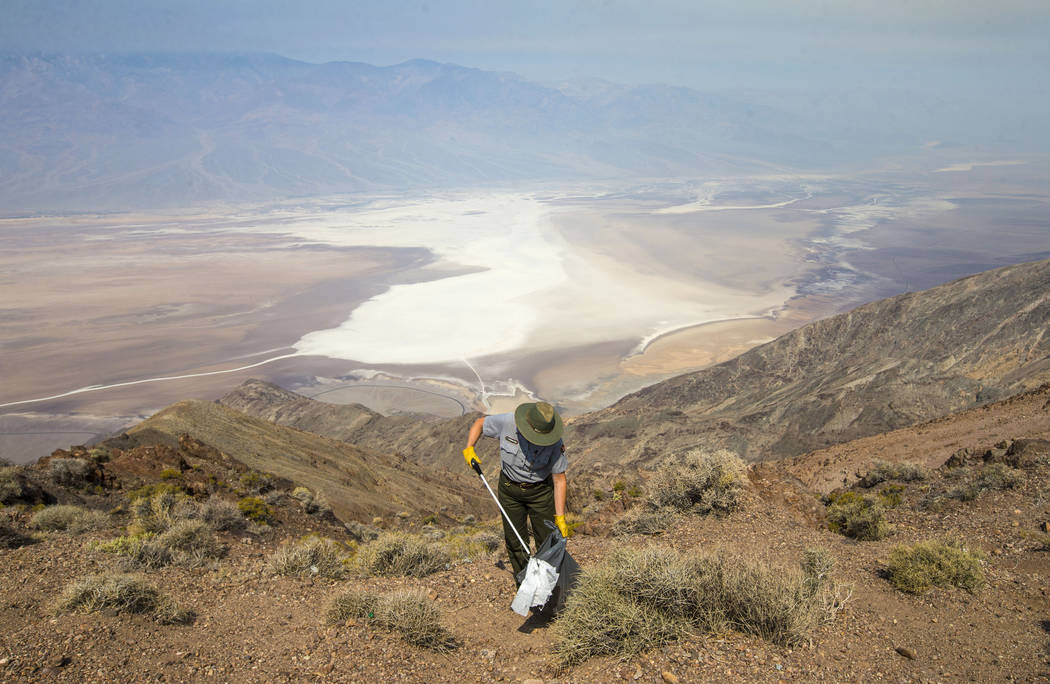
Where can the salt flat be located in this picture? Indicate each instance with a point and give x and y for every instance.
(487, 297)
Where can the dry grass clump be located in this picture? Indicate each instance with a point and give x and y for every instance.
(860, 517)
(155, 509)
(121, 594)
(69, 472)
(409, 612)
(644, 520)
(882, 471)
(402, 554)
(639, 599)
(935, 563)
(68, 518)
(222, 514)
(310, 557)
(706, 481)
(472, 544)
(999, 476)
(190, 543)
(313, 504)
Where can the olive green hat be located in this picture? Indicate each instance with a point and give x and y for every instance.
(539, 423)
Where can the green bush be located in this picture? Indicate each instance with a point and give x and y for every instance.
(637, 600)
(891, 496)
(121, 594)
(74, 519)
(856, 516)
(708, 482)
(255, 482)
(310, 557)
(171, 474)
(255, 509)
(402, 554)
(915, 569)
(471, 544)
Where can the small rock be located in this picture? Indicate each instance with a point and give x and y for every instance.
(1017, 511)
(60, 661)
(637, 671)
(669, 677)
(533, 681)
(4, 662)
(1045, 526)
(906, 652)
(377, 520)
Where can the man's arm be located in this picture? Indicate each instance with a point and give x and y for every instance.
(472, 438)
(475, 432)
(560, 487)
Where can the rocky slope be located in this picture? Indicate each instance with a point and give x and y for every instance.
(428, 441)
(250, 624)
(882, 366)
(357, 482)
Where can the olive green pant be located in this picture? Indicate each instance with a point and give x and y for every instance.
(535, 503)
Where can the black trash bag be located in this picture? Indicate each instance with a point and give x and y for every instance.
(553, 550)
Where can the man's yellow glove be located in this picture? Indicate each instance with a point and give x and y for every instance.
(469, 456)
(559, 520)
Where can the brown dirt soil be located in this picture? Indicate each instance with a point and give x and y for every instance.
(252, 626)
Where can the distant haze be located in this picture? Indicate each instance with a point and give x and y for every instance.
(115, 132)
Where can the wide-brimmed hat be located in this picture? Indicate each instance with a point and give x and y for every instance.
(539, 423)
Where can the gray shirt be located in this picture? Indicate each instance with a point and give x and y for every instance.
(523, 462)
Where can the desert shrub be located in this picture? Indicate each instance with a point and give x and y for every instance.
(191, 543)
(255, 482)
(643, 520)
(313, 503)
(361, 531)
(255, 509)
(639, 599)
(860, 517)
(472, 544)
(599, 620)
(352, 604)
(70, 472)
(634, 491)
(915, 569)
(139, 551)
(122, 594)
(964, 492)
(11, 484)
(148, 491)
(598, 494)
(171, 474)
(312, 556)
(75, 519)
(891, 496)
(412, 614)
(408, 612)
(402, 554)
(881, 471)
(222, 514)
(156, 509)
(999, 476)
(705, 481)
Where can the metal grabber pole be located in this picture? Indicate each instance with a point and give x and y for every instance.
(477, 469)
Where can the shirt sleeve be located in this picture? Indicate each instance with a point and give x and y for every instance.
(560, 463)
(494, 424)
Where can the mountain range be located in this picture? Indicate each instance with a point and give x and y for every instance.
(88, 132)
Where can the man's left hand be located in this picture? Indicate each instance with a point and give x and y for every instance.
(559, 520)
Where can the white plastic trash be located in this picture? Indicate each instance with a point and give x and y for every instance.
(536, 588)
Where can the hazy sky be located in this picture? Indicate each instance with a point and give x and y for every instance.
(699, 43)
